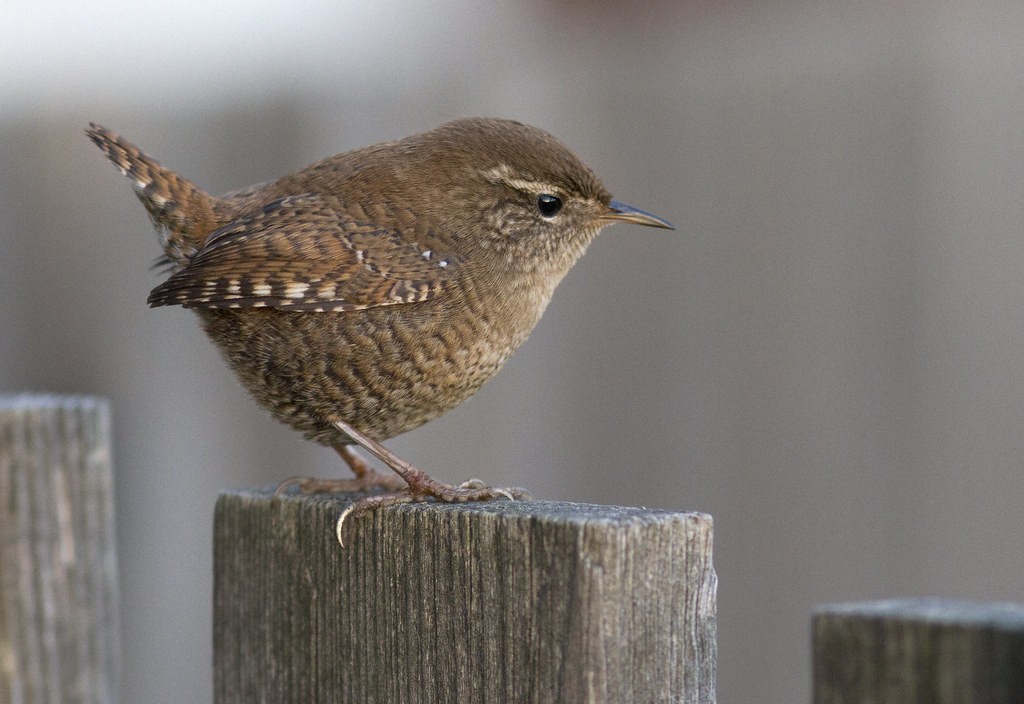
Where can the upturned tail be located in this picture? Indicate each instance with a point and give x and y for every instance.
(182, 212)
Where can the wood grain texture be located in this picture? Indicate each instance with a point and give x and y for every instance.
(499, 602)
(925, 651)
(59, 629)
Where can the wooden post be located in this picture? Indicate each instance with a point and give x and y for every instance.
(498, 602)
(59, 630)
(925, 651)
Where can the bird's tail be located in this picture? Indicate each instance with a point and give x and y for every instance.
(182, 212)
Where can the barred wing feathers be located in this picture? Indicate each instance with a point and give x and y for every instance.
(302, 253)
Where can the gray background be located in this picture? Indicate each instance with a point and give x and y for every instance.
(828, 355)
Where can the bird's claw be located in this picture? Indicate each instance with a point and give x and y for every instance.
(315, 485)
(469, 490)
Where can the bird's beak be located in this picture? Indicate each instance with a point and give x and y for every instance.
(620, 212)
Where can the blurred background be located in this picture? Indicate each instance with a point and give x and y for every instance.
(828, 354)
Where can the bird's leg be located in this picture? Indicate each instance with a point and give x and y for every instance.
(366, 475)
(366, 478)
(420, 485)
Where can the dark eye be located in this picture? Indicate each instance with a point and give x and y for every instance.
(548, 205)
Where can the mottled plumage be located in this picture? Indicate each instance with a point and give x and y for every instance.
(372, 291)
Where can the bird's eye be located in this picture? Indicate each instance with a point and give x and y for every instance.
(548, 205)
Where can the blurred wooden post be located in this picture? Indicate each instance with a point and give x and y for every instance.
(919, 651)
(59, 630)
(499, 602)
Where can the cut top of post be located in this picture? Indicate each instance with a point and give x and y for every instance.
(934, 611)
(534, 601)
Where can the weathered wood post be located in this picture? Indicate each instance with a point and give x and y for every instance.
(59, 628)
(499, 602)
(919, 651)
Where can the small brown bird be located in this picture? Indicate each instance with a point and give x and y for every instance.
(372, 291)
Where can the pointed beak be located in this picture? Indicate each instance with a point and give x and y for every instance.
(620, 212)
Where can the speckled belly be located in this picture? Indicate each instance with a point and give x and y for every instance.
(383, 370)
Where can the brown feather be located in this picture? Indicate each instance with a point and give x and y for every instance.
(304, 253)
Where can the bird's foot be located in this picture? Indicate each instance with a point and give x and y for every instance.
(425, 488)
(370, 479)
(366, 478)
(419, 485)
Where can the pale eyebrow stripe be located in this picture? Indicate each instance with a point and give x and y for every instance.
(504, 175)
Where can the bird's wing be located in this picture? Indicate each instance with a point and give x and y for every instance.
(303, 253)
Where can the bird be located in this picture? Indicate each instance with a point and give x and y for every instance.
(370, 292)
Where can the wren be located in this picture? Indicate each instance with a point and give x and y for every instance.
(370, 292)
